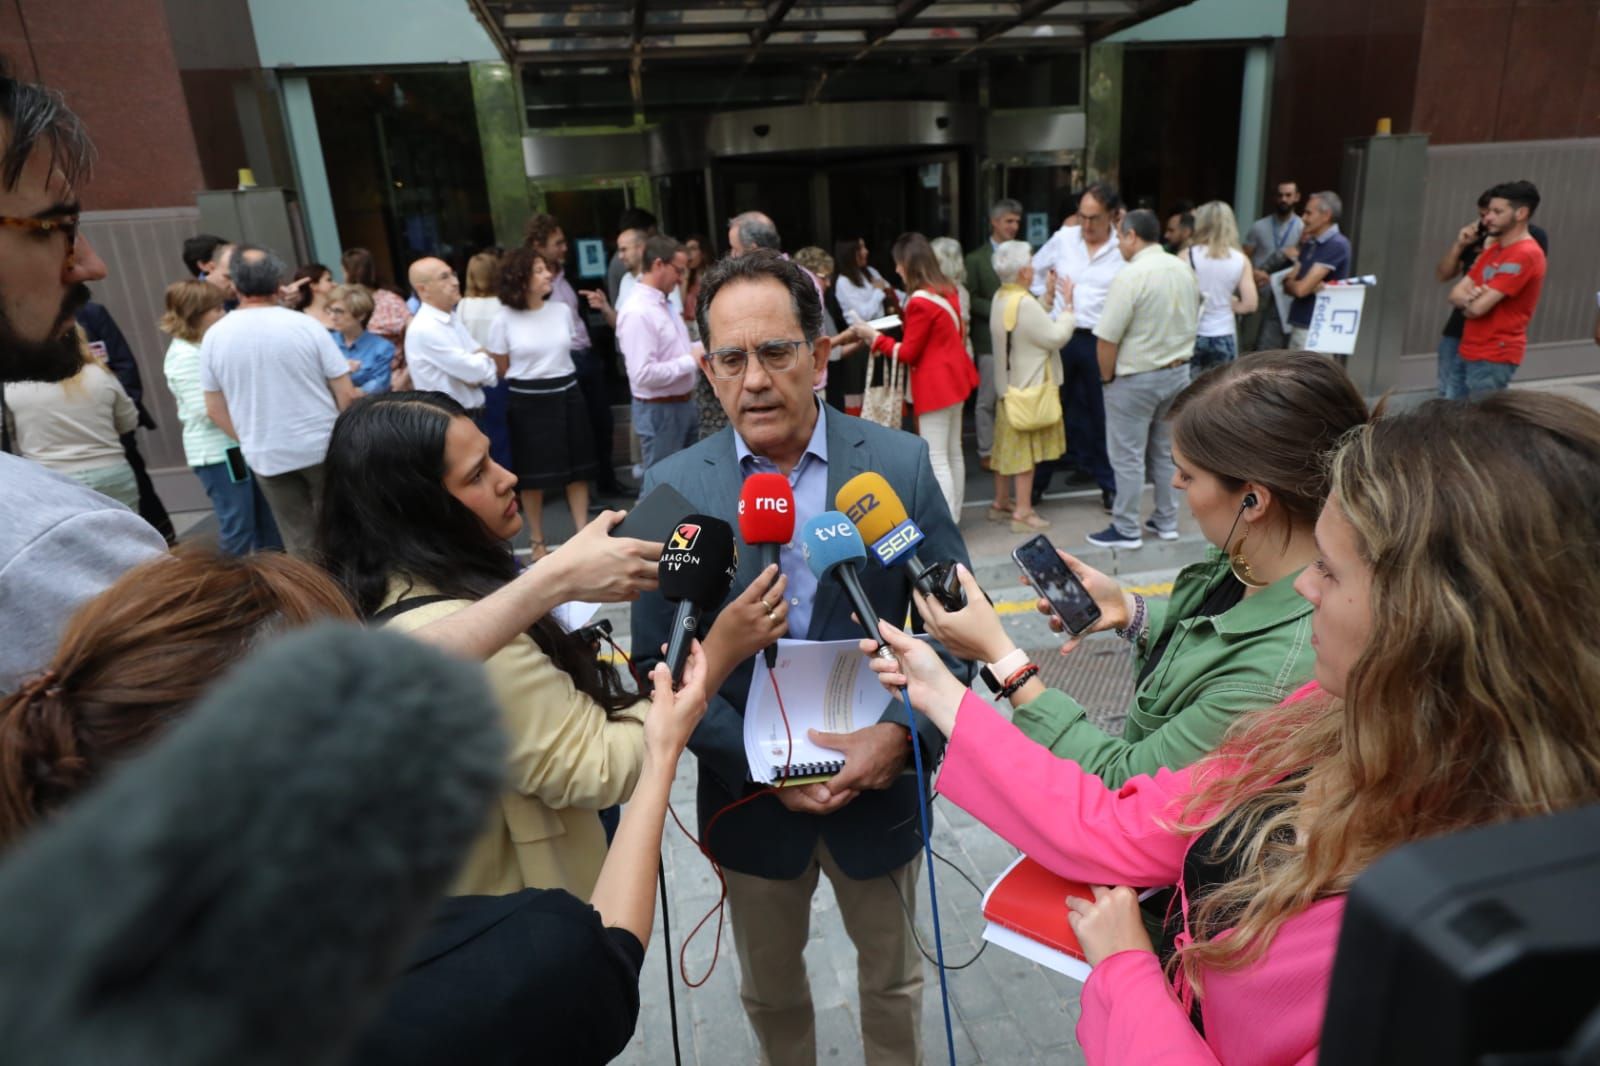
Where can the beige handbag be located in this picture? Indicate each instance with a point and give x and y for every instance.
(884, 404)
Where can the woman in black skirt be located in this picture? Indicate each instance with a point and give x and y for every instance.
(552, 443)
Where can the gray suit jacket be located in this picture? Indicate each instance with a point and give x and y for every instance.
(878, 831)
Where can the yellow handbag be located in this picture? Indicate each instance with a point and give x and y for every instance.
(1034, 406)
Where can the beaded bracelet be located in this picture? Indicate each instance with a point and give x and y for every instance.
(1135, 627)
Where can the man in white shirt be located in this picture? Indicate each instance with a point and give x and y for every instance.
(662, 363)
(1086, 256)
(275, 382)
(1145, 336)
(442, 355)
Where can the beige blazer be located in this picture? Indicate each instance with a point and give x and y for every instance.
(1035, 341)
(567, 762)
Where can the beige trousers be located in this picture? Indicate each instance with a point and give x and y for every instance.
(771, 921)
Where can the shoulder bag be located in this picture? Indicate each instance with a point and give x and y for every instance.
(1034, 406)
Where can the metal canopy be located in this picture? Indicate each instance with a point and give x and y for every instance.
(837, 31)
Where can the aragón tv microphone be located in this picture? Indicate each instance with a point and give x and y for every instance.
(766, 523)
(872, 504)
(833, 546)
(696, 571)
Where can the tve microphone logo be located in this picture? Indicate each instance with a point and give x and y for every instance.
(898, 542)
(684, 536)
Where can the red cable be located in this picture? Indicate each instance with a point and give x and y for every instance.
(719, 908)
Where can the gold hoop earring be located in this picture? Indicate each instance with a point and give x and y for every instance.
(1240, 566)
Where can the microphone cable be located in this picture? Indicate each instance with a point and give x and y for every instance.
(666, 939)
(933, 890)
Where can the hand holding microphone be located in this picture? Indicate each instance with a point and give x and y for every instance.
(696, 571)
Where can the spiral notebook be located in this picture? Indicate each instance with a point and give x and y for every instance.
(827, 686)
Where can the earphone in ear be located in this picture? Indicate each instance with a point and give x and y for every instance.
(1250, 501)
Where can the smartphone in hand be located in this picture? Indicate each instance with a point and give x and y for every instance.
(1042, 565)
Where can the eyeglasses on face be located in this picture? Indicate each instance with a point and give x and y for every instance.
(776, 356)
(67, 224)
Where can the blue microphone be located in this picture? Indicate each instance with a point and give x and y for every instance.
(832, 545)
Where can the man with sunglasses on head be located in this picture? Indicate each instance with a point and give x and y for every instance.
(660, 358)
(60, 543)
(766, 353)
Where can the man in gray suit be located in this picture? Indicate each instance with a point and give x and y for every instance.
(765, 357)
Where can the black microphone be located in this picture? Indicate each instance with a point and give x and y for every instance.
(243, 890)
(832, 546)
(696, 571)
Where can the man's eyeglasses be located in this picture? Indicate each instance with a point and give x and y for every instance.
(67, 224)
(776, 357)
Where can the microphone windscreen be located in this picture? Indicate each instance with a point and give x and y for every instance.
(699, 561)
(829, 540)
(869, 501)
(766, 510)
(244, 890)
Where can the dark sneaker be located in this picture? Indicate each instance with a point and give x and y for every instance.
(1110, 538)
(1164, 534)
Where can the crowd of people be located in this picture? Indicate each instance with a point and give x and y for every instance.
(1376, 648)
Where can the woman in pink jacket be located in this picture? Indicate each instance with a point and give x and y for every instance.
(1454, 687)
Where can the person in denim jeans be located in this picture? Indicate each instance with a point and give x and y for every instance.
(244, 520)
(1227, 285)
(1457, 260)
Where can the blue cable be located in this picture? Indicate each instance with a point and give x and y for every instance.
(933, 892)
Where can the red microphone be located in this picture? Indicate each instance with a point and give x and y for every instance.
(766, 522)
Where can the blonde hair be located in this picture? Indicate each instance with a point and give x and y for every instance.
(357, 299)
(815, 260)
(1474, 699)
(947, 250)
(483, 274)
(1216, 229)
(187, 303)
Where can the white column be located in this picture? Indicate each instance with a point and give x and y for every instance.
(316, 197)
(1255, 112)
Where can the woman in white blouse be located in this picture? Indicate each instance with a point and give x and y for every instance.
(479, 306)
(859, 288)
(75, 427)
(552, 444)
(1227, 285)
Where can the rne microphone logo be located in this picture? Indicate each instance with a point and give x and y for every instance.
(684, 536)
(862, 507)
(775, 504)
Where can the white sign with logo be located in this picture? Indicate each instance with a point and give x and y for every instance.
(1336, 319)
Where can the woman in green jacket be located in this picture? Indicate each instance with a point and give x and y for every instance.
(1250, 442)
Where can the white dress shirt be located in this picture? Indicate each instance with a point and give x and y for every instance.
(443, 357)
(1067, 254)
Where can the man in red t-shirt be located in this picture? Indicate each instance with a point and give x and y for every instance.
(1499, 293)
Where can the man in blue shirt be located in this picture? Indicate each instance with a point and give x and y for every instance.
(1323, 255)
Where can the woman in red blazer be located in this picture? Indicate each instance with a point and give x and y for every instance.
(942, 374)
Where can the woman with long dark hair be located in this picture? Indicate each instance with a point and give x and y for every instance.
(312, 285)
(415, 525)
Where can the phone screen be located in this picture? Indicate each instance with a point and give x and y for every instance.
(655, 516)
(1052, 580)
(237, 469)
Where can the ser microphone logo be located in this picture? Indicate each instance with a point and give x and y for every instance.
(895, 543)
(684, 536)
(862, 507)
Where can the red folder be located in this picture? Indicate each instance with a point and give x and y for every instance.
(1026, 911)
